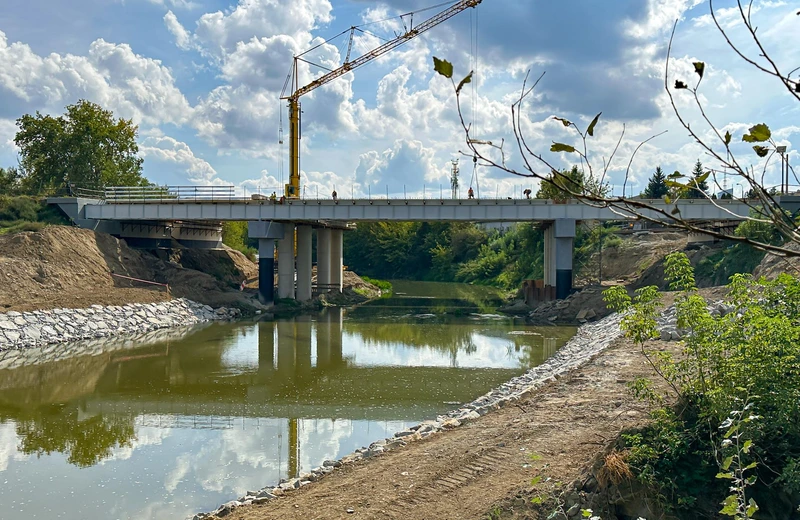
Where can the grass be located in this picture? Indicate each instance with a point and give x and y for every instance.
(383, 285)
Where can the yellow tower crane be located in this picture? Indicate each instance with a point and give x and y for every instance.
(292, 189)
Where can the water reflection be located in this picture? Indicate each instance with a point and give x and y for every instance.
(182, 424)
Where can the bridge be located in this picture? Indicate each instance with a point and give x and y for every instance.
(150, 216)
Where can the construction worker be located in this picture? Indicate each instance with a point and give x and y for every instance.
(273, 197)
(470, 193)
(335, 196)
(527, 193)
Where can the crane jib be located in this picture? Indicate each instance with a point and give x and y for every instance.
(293, 189)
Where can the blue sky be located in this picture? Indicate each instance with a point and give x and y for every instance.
(202, 79)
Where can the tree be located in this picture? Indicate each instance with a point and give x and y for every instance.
(86, 147)
(715, 141)
(698, 183)
(560, 185)
(657, 185)
(10, 181)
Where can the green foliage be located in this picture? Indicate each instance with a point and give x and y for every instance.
(698, 183)
(10, 181)
(86, 146)
(727, 360)
(656, 187)
(449, 252)
(27, 214)
(383, 285)
(234, 235)
(561, 186)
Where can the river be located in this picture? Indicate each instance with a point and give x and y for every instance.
(177, 422)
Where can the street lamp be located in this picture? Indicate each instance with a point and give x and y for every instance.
(784, 174)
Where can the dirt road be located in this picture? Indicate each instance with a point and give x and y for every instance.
(465, 472)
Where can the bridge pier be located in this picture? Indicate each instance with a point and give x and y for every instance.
(266, 269)
(286, 263)
(559, 238)
(267, 233)
(323, 258)
(336, 259)
(303, 263)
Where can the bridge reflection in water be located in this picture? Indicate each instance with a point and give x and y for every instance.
(276, 376)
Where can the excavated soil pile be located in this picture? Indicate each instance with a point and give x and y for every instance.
(69, 267)
(772, 265)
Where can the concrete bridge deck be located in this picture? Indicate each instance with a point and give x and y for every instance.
(370, 210)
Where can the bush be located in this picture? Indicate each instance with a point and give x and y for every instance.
(737, 383)
(19, 208)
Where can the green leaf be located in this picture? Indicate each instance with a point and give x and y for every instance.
(590, 130)
(729, 506)
(761, 151)
(536, 500)
(467, 79)
(699, 68)
(725, 475)
(536, 480)
(675, 175)
(667, 200)
(727, 462)
(674, 184)
(757, 134)
(746, 446)
(750, 466)
(565, 122)
(680, 84)
(561, 147)
(728, 138)
(702, 177)
(586, 513)
(443, 67)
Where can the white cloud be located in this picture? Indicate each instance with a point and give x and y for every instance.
(176, 4)
(183, 39)
(112, 75)
(220, 32)
(8, 130)
(169, 150)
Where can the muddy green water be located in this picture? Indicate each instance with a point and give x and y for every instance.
(188, 419)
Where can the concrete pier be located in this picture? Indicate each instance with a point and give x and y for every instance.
(286, 263)
(337, 260)
(303, 263)
(323, 257)
(559, 239)
(266, 269)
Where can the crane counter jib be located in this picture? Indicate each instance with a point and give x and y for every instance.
(292, 189)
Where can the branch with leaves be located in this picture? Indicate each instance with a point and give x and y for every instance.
(762, 203)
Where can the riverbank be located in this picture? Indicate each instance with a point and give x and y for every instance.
(19, 330)
(516, 394)
(485, 463)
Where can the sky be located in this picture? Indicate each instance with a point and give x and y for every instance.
(202, 80)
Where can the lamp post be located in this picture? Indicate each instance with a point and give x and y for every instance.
(784, 175)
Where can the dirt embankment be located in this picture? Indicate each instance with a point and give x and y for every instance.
(69, 267)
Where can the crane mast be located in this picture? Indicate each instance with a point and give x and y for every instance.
(292, 189)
